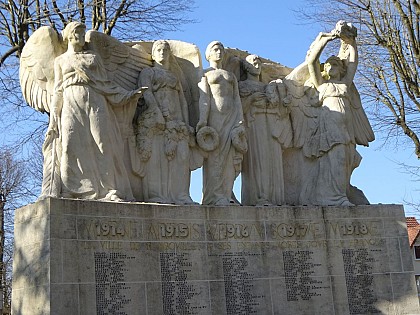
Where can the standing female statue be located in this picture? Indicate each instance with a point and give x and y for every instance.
(83, 148)
(267, 130)
(166, 131)
(342, 122)
(91, 162)
(221, 110)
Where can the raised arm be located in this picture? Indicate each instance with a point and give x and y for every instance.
(352, 59)
(348, 50)
(312, 57)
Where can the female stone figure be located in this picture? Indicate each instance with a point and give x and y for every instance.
(88, 149)
(265, 119)
(220, 109)
(165, 131)
(342, 122)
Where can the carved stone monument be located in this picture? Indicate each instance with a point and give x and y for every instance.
(76, 257)
(221, 110)
(130, 121)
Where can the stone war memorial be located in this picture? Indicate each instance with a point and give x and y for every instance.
(115, 230)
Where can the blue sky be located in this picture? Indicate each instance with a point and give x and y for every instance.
(271, 29)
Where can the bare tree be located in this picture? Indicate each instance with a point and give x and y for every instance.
(24, 127)
(13, 193)
(389, 41)
(124, 19)
(127, 19)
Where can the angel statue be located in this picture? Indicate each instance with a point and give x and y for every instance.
(340, 124)
(219, 130)
(164, 130)
(83, 149)
(268, 131)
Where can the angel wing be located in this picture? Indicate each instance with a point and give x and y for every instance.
(271, 70)
(188, 68)
(36, 75)
(302, 97)
(360, 127)
(190, 72)
(122, 62)
(362, 130)
(36, 72)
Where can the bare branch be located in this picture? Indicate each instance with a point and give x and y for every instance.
(114, 19)
(8, 53)
(81, 8)
(389, 37)
(58, 12)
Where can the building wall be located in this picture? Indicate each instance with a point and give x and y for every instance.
(416, 264)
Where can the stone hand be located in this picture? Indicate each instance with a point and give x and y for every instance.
(137, 93)
(346, 31)
(200, 125)
(258, 96)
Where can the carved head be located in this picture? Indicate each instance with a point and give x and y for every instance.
(161, 50)
(75, 32)
(253, 64)
(334, 67)
(215, 51)
(345, 30)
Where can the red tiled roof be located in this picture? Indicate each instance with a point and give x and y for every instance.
(411, 222)
(413, 229)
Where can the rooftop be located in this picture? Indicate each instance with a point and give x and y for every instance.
(413, 229)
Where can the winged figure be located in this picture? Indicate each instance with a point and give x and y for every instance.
(312, 129)
(340, 125)
(79, 79)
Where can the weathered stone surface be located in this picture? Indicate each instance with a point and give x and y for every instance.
(221, 111)
(85, 257)
(79, 92)
(292, 133)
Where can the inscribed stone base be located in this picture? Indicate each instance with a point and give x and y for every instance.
(86, 258)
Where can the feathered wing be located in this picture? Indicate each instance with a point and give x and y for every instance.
(122, 62)
(303, 99)
(36, 76)
(363, 133)
(189, 70)
(360, 126)
(36, 72)
(271, 70)
(304, 109)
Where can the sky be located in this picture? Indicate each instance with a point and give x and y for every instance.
(272, 29)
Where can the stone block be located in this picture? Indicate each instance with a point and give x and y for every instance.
(288, 299)
(84, 257)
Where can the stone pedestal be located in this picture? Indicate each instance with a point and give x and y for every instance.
(85, 258)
